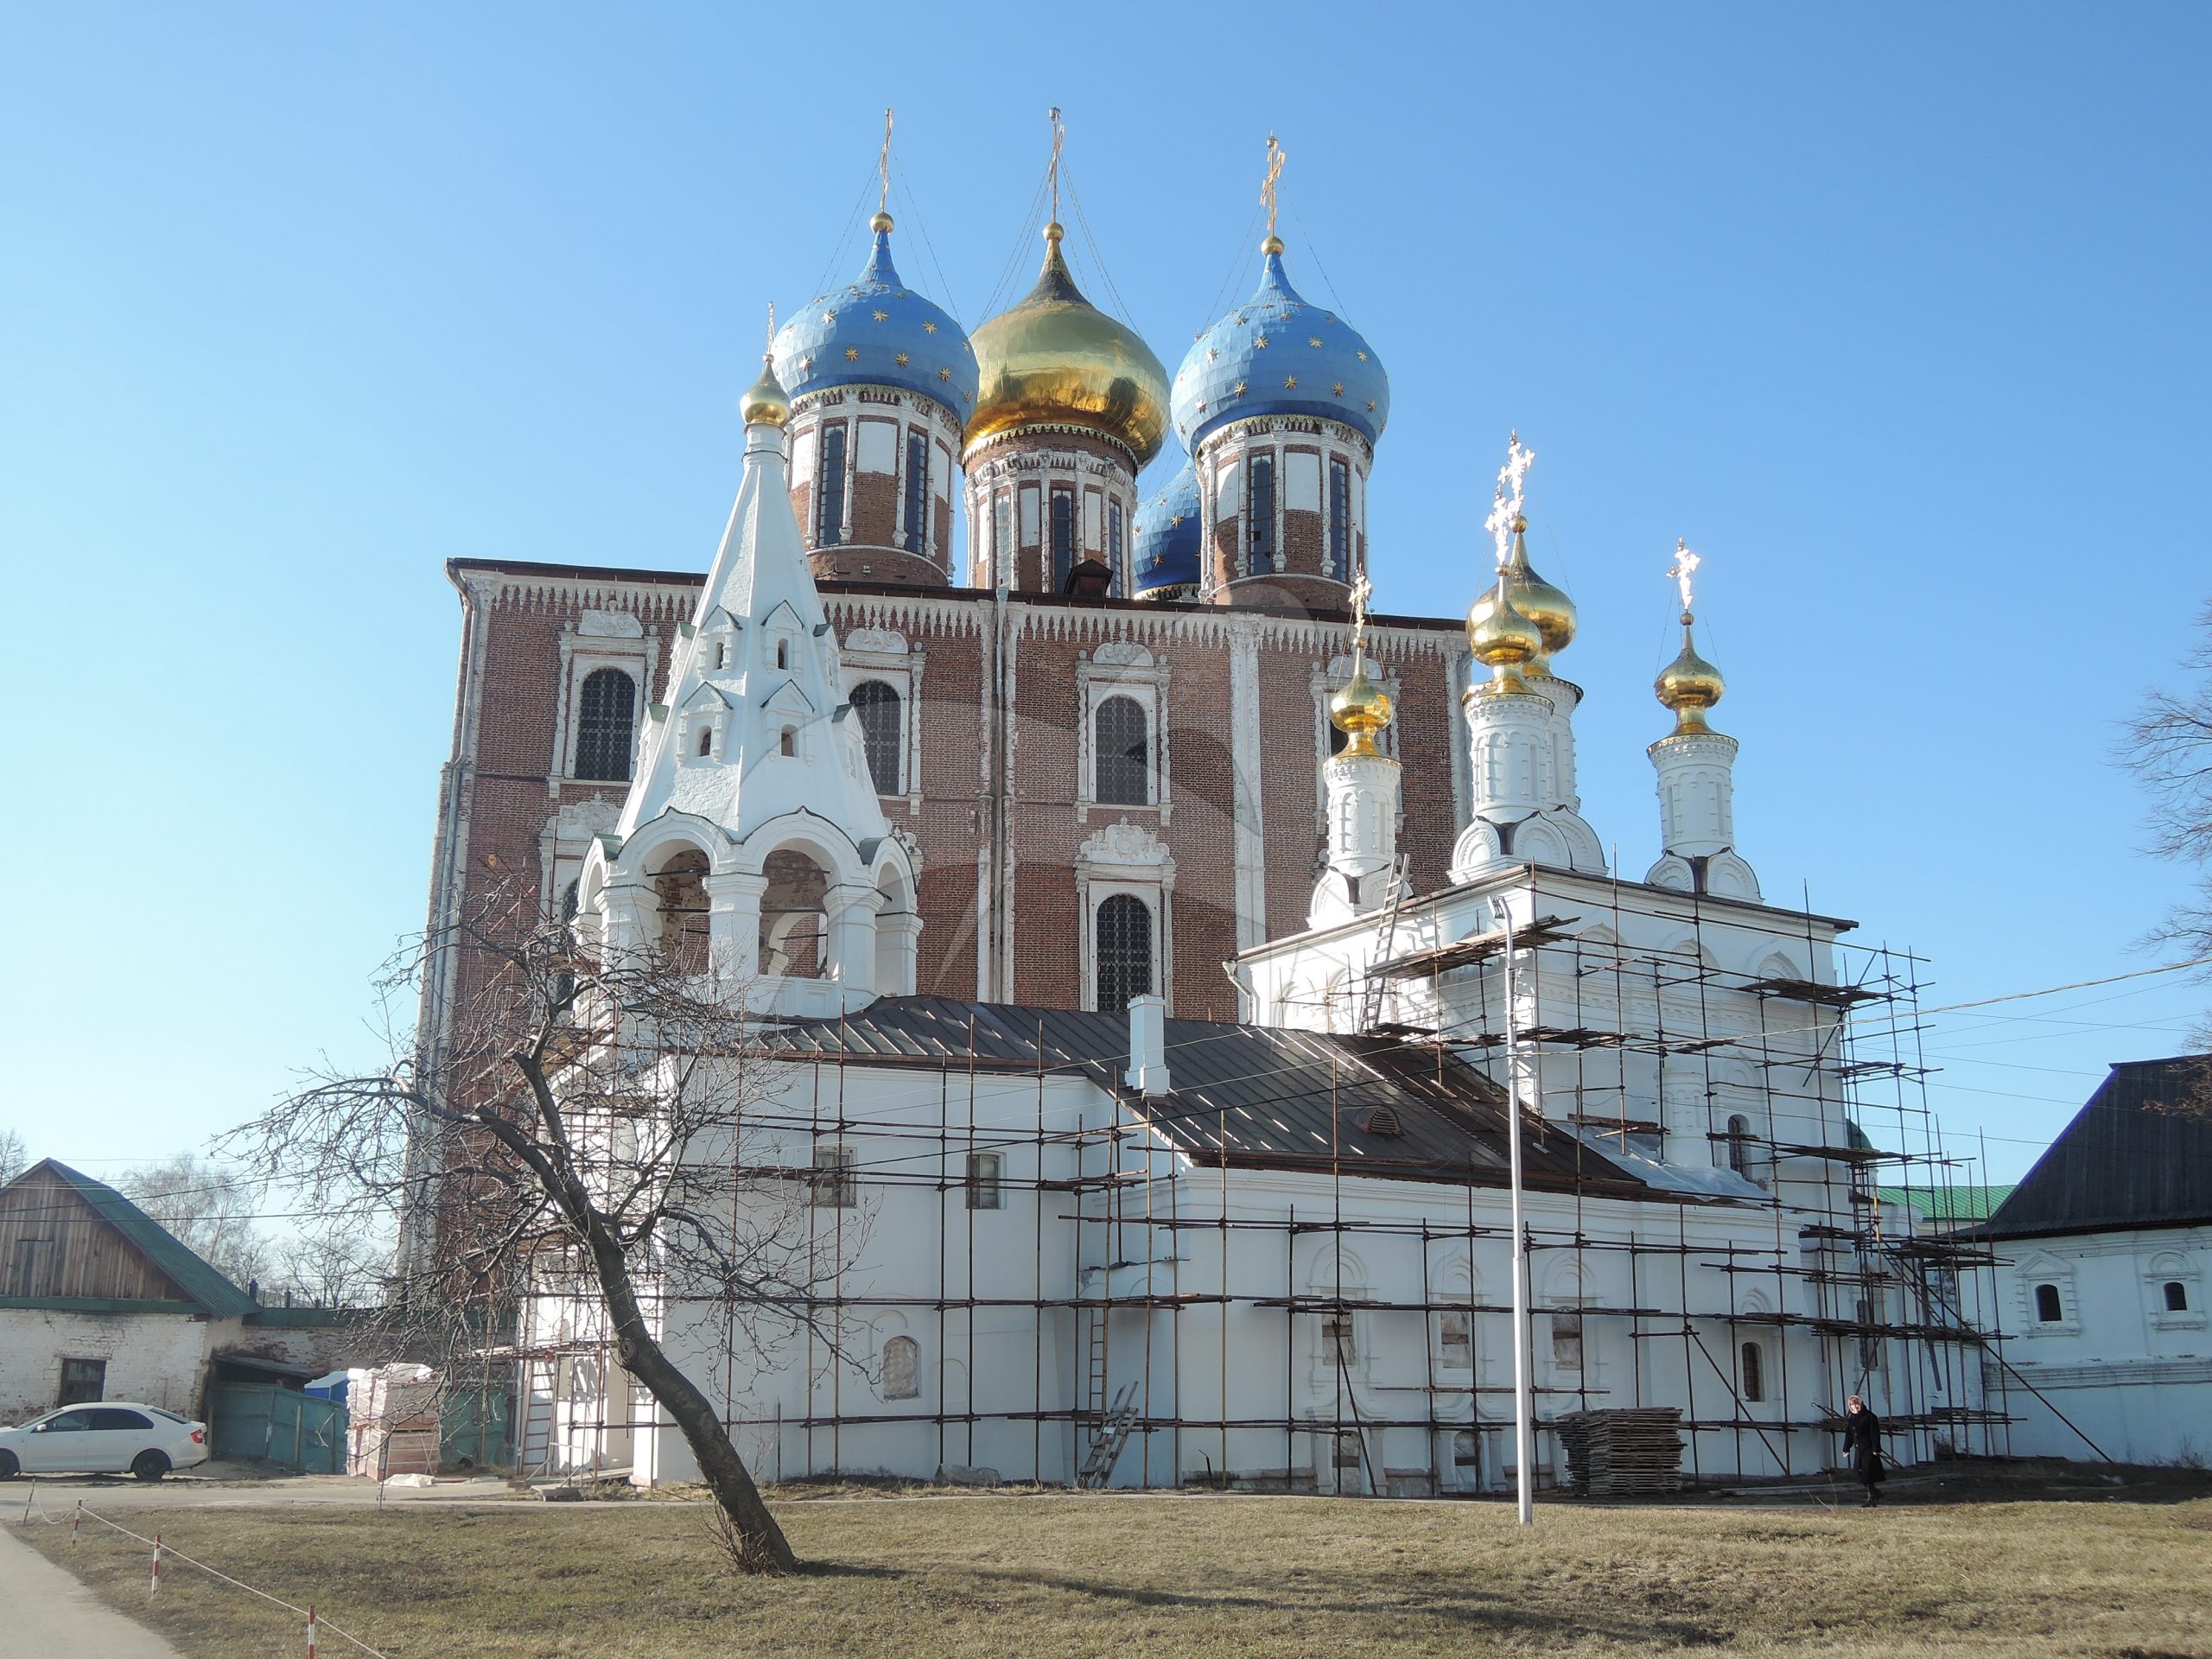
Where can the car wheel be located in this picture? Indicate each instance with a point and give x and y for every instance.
(149, 1465)
(8, 1467)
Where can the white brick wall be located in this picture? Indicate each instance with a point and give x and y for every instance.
(158, 1359)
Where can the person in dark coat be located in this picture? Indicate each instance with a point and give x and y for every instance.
(1862, 1446)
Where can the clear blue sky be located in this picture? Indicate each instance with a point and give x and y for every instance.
(1897, 313)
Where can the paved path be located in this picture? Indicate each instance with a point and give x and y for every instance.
(50, 1615)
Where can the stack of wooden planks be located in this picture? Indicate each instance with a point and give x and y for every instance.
(1624, 1453)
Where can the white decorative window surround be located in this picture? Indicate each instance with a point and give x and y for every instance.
(1125, 857)
(885, 654)
(1120, 667)
(2174, 1267)
(601, 640)
(2032, 1277)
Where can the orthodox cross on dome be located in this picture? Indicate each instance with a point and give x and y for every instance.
(883, 169)
(772, 327)
(1053, 170)
(1680, 572)
(1271, 187)
(1361, 590)
(1512, 489)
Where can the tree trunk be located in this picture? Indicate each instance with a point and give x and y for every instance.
(760, 1545)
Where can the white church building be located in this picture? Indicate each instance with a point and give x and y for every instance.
(1117, 1247)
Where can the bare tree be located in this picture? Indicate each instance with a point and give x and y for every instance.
(328, 1268)
(587, 1125)
(14, 1159)
(2170, 750)
(213, 1209)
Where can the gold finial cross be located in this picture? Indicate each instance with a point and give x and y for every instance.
(1685, 565)
(1512, 490)
(772, 327)
(1059, 137)
(1361, 590)
(883, 169)
(1270, 186)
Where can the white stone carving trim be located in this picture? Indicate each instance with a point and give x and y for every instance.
(584, 652)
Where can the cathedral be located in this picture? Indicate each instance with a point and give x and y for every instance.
(1174, 964)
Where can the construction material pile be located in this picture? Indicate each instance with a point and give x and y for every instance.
(1625, 1453)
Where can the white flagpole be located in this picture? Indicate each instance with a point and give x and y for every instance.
(1524, 1391)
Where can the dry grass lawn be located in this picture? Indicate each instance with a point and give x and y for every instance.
(971, 1577)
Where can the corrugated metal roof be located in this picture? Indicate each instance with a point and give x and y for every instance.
(1948, 1204)
(189, 1271)
(1249, 1096)
(2140, 1154)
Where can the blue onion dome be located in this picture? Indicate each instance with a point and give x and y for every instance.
(877, 332)
(1277, 354)
(1167, 537)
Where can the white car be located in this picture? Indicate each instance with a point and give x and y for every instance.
(105, 1439)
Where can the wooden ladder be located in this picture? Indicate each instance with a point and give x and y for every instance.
(1113, 1435)
(1371, 999)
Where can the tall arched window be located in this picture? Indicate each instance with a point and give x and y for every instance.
(830, 487)
(1754, 1373)
(607, 709)
(1124, 952)
(877, 706)
(2177, 1296)
(2049, 1310)
(1063, 547)
(1122, 753)
(1339, 520)
(917, 493)
(1259, 513)
(901, 1369)
(1739, 1145)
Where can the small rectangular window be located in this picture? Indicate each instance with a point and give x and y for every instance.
(82, 1380)
(918, 492)
(1259, 512)
(1063, 534)
(829, 488)
(984, 1190)
(1566, 1341)
(1339, 520)
(830, 1186)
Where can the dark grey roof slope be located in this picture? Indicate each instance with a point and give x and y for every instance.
(1249, 1096)
(186, 1268)
(2140, 1154)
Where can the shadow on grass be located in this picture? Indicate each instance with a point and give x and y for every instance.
(1462, 1605)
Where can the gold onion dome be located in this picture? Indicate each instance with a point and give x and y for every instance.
(1690, 685)
(1053, 359)
(1360, 708)
(1501, 638)
(1547, 606)
(764, 403)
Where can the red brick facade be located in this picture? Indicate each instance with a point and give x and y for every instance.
(996, 775)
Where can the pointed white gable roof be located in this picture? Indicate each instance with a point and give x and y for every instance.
(758, 661)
